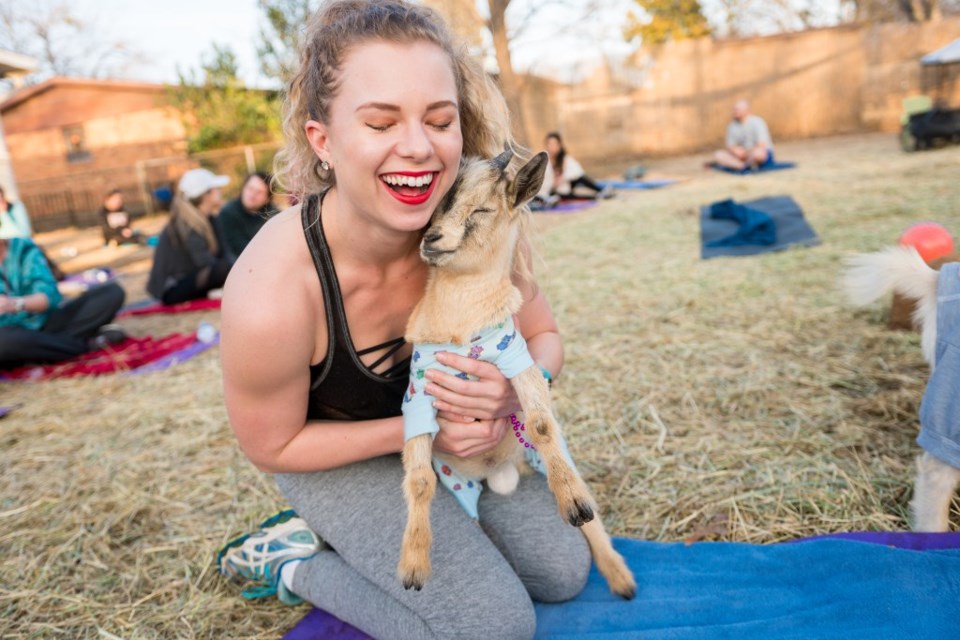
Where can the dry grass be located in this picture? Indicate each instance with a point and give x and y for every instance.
(736, 399)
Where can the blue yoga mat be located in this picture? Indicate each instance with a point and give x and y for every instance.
(863, 585)
(817, 589)
(791, 228)
(636, 184)
(770, 166)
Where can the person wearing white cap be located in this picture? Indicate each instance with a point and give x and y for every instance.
(188, 262)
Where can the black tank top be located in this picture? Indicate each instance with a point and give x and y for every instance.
(341, 386)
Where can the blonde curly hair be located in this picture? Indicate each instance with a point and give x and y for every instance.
(330, 34)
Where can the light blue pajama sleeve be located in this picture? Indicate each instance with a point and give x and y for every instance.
(501, 345)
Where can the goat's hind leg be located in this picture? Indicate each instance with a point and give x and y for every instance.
(573, 498)
(932, 492)
(419, 486)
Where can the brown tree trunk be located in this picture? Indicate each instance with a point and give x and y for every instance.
(509, 82)
(918, 12)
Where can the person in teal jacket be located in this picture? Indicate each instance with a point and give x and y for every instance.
(34, 326)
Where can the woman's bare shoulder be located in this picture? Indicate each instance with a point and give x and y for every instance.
(275, 276)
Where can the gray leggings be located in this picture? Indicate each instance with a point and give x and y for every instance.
(484, 577)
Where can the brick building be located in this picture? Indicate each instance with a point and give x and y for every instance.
(71, 140)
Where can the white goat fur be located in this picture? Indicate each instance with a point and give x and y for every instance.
(471, 248)
(901, 269)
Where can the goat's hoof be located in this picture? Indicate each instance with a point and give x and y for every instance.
(627, 594)
(579, 513)
(623, 584)
(414, 577)
(412, 584)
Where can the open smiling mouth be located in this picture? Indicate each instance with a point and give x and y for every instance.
(411, 188)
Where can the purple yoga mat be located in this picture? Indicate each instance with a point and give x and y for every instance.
(569, 206)
(320, 625)
(177, 357)
(898, 539)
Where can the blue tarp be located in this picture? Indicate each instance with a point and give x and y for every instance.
(792, 229)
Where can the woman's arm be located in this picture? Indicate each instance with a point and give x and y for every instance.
(39, 288)
(272, 316)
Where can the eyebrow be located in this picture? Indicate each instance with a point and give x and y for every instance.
(384, 106)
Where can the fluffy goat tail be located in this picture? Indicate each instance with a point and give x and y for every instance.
(868, 276)
(901, 269)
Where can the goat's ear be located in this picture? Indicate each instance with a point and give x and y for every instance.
(529, 179)
(502, 161)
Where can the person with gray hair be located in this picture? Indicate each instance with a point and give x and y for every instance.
(748, 142)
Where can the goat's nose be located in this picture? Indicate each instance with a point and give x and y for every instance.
(432, 235)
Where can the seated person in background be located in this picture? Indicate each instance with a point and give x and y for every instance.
(242, 217)
(565, 174)
(14, 218)
(15, 223)
(188, 262)
(116, 221)
(34, 327)
(748, 141)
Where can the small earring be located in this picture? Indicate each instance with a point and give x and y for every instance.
(325, 165)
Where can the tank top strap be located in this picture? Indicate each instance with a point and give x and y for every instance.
(320, 252)
(341, 386)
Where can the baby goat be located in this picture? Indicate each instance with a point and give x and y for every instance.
(869, 276)
(469, 303)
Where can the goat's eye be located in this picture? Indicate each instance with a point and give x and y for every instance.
(482, 210)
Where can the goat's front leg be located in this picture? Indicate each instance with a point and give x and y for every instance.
(573, 498)
(419, 485)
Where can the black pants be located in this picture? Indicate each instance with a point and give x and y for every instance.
(67, 332)
(198, 284)
(582, 181)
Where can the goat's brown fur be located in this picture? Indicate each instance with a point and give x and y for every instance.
(470, 247)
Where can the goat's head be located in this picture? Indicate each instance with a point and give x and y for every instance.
(478, 215)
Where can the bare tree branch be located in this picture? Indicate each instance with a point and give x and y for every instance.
(62, 42)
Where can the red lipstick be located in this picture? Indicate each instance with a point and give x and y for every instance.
(415, 199)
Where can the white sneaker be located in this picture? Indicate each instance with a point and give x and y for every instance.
(258, 557)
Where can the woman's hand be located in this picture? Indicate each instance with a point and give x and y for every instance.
(462, 437)
(490, 396)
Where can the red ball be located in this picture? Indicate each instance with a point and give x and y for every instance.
(930, 239)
